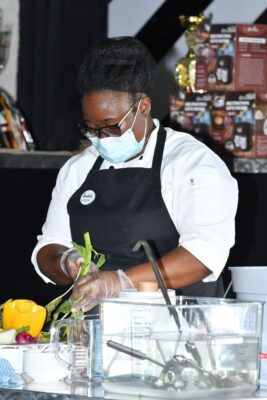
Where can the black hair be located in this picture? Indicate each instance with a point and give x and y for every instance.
(121, 64)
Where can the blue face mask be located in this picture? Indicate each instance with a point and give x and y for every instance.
(119, 148)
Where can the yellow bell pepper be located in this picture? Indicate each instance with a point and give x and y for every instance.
(20, 313)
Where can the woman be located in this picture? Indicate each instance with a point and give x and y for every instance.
(136, 181)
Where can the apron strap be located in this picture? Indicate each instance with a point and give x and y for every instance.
(158, 154)
(97, 163)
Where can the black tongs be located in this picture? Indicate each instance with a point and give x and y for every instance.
(157, 272)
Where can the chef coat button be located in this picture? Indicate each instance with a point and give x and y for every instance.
(108, 256)
(112, 167)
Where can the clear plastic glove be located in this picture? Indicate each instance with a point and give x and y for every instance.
(70, 263)
(98, 285)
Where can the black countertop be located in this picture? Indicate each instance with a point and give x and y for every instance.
(12, 394)
(18, 394)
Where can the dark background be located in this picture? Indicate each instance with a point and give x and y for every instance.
(54, 36)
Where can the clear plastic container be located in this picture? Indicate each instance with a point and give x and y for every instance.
(200, 347)
(249, 283)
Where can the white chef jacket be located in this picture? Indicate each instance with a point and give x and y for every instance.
(200, 194)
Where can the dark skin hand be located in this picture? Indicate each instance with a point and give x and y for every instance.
(48, 259)
(179, 267)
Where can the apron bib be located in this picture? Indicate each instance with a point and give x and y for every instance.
(118, 207)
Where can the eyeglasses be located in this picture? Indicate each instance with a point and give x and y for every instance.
(109, 130)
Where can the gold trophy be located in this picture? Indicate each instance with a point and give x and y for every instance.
(185, 70)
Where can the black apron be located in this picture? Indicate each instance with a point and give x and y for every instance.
(127, 206)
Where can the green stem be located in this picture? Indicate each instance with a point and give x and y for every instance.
(67, 291)
(22, 329)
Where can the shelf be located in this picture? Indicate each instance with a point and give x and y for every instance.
(249, 165)
(33, 159)
(14, 159)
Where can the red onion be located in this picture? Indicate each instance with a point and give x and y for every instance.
(24, 337)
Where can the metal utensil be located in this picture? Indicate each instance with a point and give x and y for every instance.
(190, 346)
(160, 279)
(132, 352)
(171, 374)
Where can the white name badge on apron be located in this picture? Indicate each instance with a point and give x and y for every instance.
(87, 197)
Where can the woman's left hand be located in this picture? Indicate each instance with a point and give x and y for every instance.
(98, 285)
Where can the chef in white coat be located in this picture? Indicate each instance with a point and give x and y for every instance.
(137, 180)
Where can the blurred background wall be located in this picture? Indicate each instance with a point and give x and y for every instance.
(10, 18)
(50, 38)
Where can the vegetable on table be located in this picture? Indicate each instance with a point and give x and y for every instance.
(12, 336)
(1, 313)
(20, 313)
(8, 336)
(22, 320)
(25, 337)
